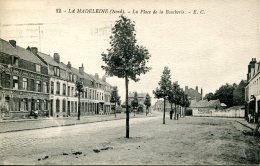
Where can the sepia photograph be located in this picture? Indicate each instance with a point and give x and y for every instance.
(133, 82)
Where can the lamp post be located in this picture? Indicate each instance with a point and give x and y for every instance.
(79, 86)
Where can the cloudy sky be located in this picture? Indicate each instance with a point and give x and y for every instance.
(205, 50)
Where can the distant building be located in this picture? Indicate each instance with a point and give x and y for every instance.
(215, 108)
(159, 105)
(193, 94)
(252, 91)
(141, 99)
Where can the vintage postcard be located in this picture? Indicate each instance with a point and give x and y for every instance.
(136, 82)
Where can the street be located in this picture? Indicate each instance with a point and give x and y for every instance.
(190, 140)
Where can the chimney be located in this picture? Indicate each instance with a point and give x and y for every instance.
(250, 65)
(104, 78)
(69, 65)
(34, 50)
(96, 75)
(197, 89)
(201, 92)
(56, 57)
(81, 69)
(13, 43)
(186, 88)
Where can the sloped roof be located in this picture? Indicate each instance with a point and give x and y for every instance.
(205, 103)
(50, 60)
(22, 53)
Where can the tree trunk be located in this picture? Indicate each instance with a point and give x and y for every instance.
(175, 111)
(146, 110)
(78, 105)
(257, 127)
(164, 110)
(115, 110)
(127, 110)
(171, 112)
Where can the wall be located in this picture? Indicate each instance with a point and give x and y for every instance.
(234, 113)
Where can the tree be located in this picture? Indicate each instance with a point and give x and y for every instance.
(209, 96)
(147, 102)
(115, 98)
(225, 94)
(186, 102)
(79, 89)
(125, 59)
(239, 93)
(164, 87)
(134, 102)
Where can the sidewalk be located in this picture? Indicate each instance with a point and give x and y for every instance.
(243, 122)
(32, 124)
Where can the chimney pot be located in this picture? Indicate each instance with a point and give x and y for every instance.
(69, 65)
(96, 75)
(81, 69)
(34, 50)
(56, 57)
(13, 43)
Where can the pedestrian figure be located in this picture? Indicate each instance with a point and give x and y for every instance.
(171, 113)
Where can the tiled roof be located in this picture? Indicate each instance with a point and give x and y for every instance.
(205, 103)
(22, 53)
(50, 60)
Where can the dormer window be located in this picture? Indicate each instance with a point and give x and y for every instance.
(15, 61)
(56, 71)
(38, 68)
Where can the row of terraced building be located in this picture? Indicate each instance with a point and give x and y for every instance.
(32, 81)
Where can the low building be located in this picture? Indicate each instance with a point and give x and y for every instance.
(214, 108)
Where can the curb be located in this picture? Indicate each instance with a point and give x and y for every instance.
(72, 124)
(245, 125)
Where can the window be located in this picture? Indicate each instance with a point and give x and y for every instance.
(68, 90)
(44, 105)
(72, 91)
(37, 105)
(64, 89)
(45, 89)
(15, 61)
(38, 86)
(15, 82)
(75, 106)
(56, 71)
(25, 83)
(32, 84)
(52, 87)
(86, 93)
(58, 88)
(24, 105)
(38, 68)
(7, 81)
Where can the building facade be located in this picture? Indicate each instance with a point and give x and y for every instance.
(193, 94)
(32, 80)
(24, 84)
(252, 91)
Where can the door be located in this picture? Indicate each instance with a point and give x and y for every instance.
(69, 108)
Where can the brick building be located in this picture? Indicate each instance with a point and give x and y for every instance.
(24, 84)
(193, 94)
(32, 80)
